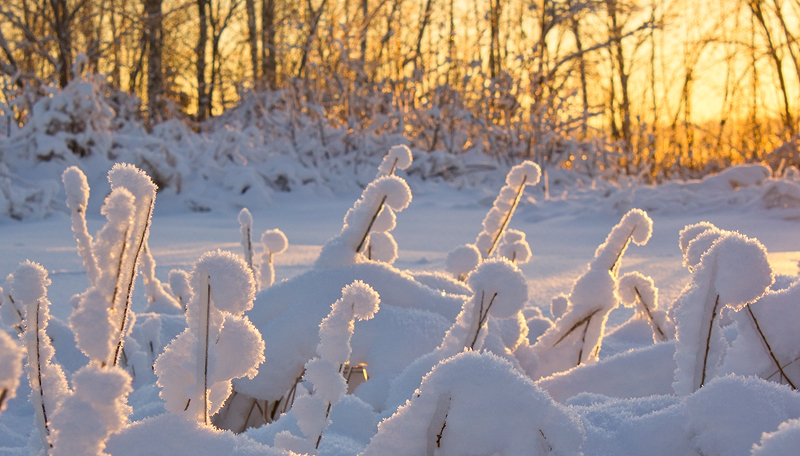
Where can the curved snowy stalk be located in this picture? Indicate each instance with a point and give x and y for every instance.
(640, 291)
(577, 335)
(77, 190)
(497, 219)
(246, 228)
(274, 242)
(398, 157)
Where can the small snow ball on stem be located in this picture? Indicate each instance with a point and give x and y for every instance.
(463, 260)
(398, 157)
(275, 243)
(514, 247)
(497, 219)
(179, 283)
(219, 343)
(11, 355)
(637, 290)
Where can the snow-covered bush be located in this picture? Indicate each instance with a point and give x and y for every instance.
(275, 243)
(496, 220)
(324, 372)
(372, 214)
(577, 335)
(219, 343)
(47, 381)
(477, 403)
(733, 272)
(11, 355)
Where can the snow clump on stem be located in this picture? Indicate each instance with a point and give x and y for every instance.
(637, 290)
(398, 157)
(498, 217)
(275, 243)
(77, 189)
(246, 228)
(219, 343)
(514, 247)
(463, 260)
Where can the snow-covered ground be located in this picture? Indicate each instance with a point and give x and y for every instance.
(591, 414)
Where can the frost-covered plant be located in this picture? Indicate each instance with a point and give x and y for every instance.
(496, 220)
(246, 228)
(766, 342)
(398, 157)
(373, 213)
(514, 247)
(478, 403)
(219, 343)
(179, 284)
(706, 232)
(577, 335)
(11, 355)
(77, 189)
(636, 290)
(158, 299)
(733, 272)
(11, 312)
(47, 380)
(463, 260)
(500, 292)
(274, 242)
(324, 372)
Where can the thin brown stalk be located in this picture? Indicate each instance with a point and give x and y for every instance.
(708, 341)
(482, 316)
(371, 222)
(39, 373)
(784, 366)
(615, 266)
(3, 395)
(769, 348)
(394, 166)
(508, 216)
(205, 361)
(661, 334)
(577, 325)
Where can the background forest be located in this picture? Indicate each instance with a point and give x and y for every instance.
(653, 88)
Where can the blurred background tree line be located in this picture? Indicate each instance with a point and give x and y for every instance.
(654, 88)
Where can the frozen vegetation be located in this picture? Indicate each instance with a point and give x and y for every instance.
(603, 318)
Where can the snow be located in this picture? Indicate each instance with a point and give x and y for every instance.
(11, 356)
(621, 401)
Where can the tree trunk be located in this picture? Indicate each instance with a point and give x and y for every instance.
(155, 76)
(61, 29)
(200, 51)
(252, 38)
(269, 64)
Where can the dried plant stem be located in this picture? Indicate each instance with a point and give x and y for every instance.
(615, 266)
(585, 320)
(661, 334)
(774, 373)
(205, 359)
(708, 341)
(394, 166)
(3, 395)
(35, 328)
(483, 315)
(18, 326)
(769, 348)
(371, 222)
(507, 217)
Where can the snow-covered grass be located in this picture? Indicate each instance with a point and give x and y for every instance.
(723, 387)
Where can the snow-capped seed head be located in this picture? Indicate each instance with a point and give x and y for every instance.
(329, 384)
(382, 247)
(640, 223)
(700, 245)
(527, 171)
(512, 236)
(363, 298)
(633, 281)
(463, 259)
(385, 221)
(743, 270)
(230, 280)
(132, 178)
(76, 187)
(119, 207)
(498, 276)
(635, 226)
(396, 190)
(274, 241)
(30, 282)
(398, 157)
(690, 232)
(245, 218)
(518, 251)
(558, 305)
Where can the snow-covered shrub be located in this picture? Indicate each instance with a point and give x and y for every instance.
(274, 242)
(766, 341)
(374, 212)
(496, 220)
(219, 343)
(398, 157)
(514, 247)
(577, 335)
(47, 380)
(636, 290)
(324, 372)
(462, 260)
(477, 403)
(733, 272)
(500, 292)
(11, 355)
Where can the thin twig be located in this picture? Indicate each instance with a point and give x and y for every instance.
(205, 362)
(663, 336)
(394, 166)
(482, 316)
(614, 267)
(583, 339)
(769, 348)
(39, 375)
(3, 397)
(508, 216)
(371, 222)
(576, 326)
(708, 341)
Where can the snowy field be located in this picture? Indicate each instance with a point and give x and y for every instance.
(621, 403)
